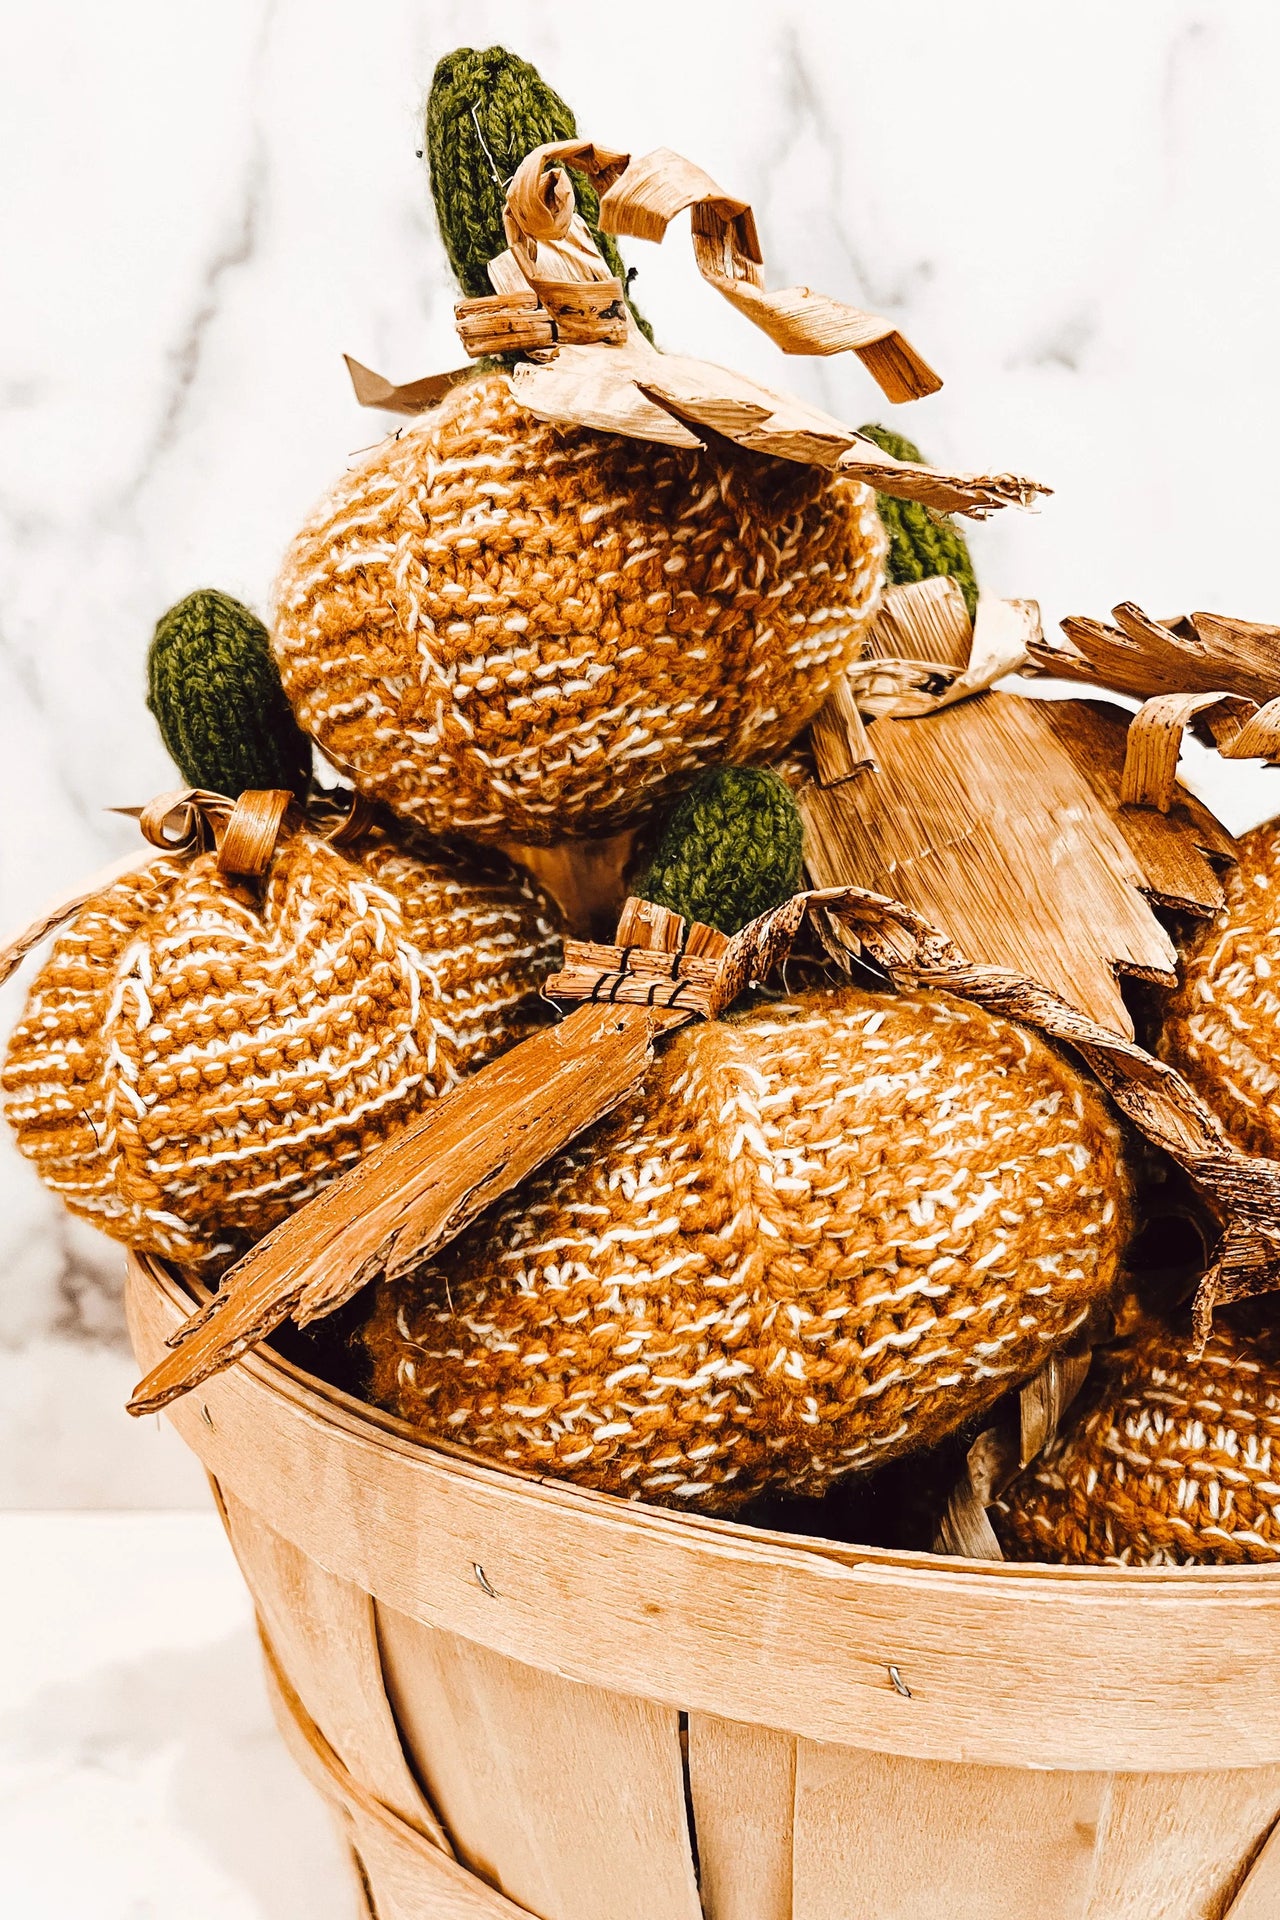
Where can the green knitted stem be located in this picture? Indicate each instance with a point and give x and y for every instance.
(731, 850)
(485, 112)
(213, 687)
(920, 545)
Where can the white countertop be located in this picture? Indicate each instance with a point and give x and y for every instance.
(141, 1777)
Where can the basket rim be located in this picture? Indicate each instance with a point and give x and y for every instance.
(272, 1371)
(1176, 1670)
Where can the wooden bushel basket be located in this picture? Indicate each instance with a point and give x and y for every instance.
(522, 1698)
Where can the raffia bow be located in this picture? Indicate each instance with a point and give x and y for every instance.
(556, 301)
(188, 821)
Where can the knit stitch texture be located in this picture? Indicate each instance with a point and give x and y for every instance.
(921, 544)
(1222, 1026)
(215, 692)
(485, 113)
(827, 1231)
(1172, 1461)
(504, 628)
(732, 849)
(194, 1063)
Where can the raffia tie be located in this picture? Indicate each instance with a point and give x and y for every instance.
(183, 823)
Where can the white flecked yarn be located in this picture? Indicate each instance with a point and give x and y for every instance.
(510, 629)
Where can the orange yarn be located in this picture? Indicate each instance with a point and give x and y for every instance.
(1222, 1026)
(505, 628)
(1174, 1461)
(194, 1062)
(827, 1231)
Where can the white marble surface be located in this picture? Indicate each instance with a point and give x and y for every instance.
(1074, 211)
(141, 1777)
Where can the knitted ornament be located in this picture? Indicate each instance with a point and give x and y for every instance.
(921, 544)
(485, 112)
(505, 628)
(195, 1061)
(1222, 1026)
(826, 1231)
(732, 849)
(1170, 1463)
(216, 695)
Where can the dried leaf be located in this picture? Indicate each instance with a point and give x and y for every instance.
(659, 185)
(371, 390)
(924, 653)
(633, 390)
(981, 818)
(1199, 653)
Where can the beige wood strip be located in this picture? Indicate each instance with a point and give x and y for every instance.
(1175, 1846)
(911, 1840)
(742, 1786)
(408, 1878)
(569, 1798)
(323, 1633)
(1182, 1663)
(1259, 1897)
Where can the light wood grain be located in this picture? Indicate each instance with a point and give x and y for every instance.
(1183, 1667)
(906, 1840)
(1259, 1896)
(567, 1797)
(1172, 1847)
(322, 1629)
(408, 1878)
(742, 1788)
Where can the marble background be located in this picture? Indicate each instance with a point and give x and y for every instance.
(1075, 211)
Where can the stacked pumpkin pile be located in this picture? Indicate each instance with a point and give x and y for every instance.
(600, 624)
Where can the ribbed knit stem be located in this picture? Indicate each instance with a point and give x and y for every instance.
(485, 113)
(731, 849)
(213, 687)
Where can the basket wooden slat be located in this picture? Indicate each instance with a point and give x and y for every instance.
(742, 1791)
(324, 1635)
(1259, 1897)
(524, 1699)
(520, 1763)
(1192, 1674)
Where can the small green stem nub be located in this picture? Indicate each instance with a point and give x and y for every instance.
(214, 689)
(732, 849)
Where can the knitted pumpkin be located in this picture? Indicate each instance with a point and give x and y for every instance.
(511, 629)
(1222, 1026)
(198, 1058)
(518, 630)
(828, 1230)
(1172, 1460)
